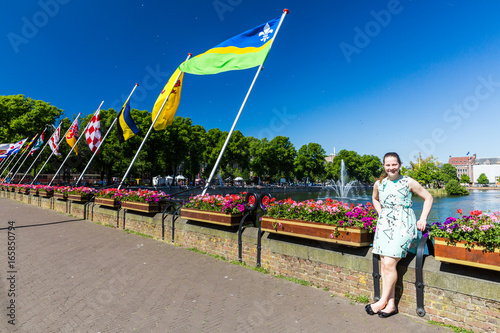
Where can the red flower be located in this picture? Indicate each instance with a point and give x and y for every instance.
(459, 211)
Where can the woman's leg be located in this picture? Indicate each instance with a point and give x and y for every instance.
(389, 278)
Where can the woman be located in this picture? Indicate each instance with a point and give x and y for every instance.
(396, 228)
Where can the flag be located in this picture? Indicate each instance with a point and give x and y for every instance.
(173, 92)
(15, 147)
(4, 147)
(37, 145)
(72, 135)
(125, 125)
(246, 50)
(54, 141)
(29, 144)
(93, 132)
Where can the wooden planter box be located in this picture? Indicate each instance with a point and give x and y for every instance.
(60, 196)
(459, 254)
(144, 207)
(107, 202)
(11, 189)
(319, 231)
(45, 194)
(79, 197)
(230, 220)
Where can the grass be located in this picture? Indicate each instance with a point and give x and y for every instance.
(437, 192)
(128, 231)
(357, 298)
(454, 328)
(292, 279)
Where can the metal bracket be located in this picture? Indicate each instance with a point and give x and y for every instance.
(175, 216)
(240, 242)
(419, 274)
(376, 277)
(163, 216)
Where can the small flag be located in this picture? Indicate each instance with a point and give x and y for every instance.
(173, 92)
(72, 135)
(54, 141)
(4, 147)
(29, 144)
(125, 125)
(93, 133)
(37, 145)
(15, 147)
(246, 50)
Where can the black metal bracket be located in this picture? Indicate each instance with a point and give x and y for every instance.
(175, 216)
(163, 216)
(265, 199)
(376, 277)
(118, 217)
(240, 230)
(419, 274)
(124, 213)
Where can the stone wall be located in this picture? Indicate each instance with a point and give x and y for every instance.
(457, 295)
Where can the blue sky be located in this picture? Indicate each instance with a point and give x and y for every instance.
(369, 76)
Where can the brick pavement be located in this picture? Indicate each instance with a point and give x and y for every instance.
(77, 276)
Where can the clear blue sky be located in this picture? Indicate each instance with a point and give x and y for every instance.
(368, 76)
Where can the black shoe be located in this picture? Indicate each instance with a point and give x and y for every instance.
(369, 310)
(387, 315)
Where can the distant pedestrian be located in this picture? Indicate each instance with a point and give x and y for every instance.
(396, 229)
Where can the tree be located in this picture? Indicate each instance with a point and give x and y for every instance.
(280, 156)
(310, 162)
(364, 168)
(464, 179)
(449, 172)
(483, 179)
(22, 117)
(426, 171)
(454, 188)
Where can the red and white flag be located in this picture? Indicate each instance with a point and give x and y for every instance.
(93, 132)
(54, 141)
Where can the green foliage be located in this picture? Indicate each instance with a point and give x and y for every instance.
(449, 172)
(453, 188)
(483, 179)
(454, 328)
(426, 171)
(310, 162)
(365, 168)
(465, 179)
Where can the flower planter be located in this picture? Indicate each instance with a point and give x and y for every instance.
(352, 236)
(60, 196)
(144, 207)
(11, 189)
(230, 220)
(45, 194)
(109, 202)
(459, 254)
(79, 197)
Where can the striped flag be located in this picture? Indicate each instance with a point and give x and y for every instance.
(37, 145)
(54, 141)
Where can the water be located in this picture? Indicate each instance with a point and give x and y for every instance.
(343, 186)
(442, 208)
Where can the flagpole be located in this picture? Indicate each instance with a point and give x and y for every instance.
(75, 145)
(285, 11)
(57, 146)
(39, 154)
(149, 131)
(26, 151)
(5, 162)
(7, 168)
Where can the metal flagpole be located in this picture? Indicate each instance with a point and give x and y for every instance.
(75, 145)
(285, 11)
(149, 131)
(95, 153)
(4, 162)
(37, 156)
(7, 167)
(24, 160)
(57, 146)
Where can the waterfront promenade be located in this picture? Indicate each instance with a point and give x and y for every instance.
(73, 275)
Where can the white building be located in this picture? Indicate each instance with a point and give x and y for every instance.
(490, 166)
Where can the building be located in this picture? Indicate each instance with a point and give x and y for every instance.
(490, 166)
(464, 165)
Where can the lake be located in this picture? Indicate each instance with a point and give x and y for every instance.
(442, 208)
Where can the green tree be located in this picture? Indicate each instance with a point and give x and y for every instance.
(454, 188)
(464, 179)
(22, 117)
(364, 168)
(483, 179)
(426, 171)
(310, 162)
(280, 156)
(449, 172)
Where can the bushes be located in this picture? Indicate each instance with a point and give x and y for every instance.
(453, 188)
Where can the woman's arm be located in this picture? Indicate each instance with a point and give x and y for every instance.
(416, 188)
(376, 202)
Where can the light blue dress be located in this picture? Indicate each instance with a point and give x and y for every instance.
(396, 229)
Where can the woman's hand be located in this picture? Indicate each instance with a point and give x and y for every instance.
(421, 225)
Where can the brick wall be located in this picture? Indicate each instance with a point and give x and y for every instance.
(469, 300)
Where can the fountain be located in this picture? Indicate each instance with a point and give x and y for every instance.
(343, 186)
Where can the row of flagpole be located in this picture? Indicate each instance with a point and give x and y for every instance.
(126, 126)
